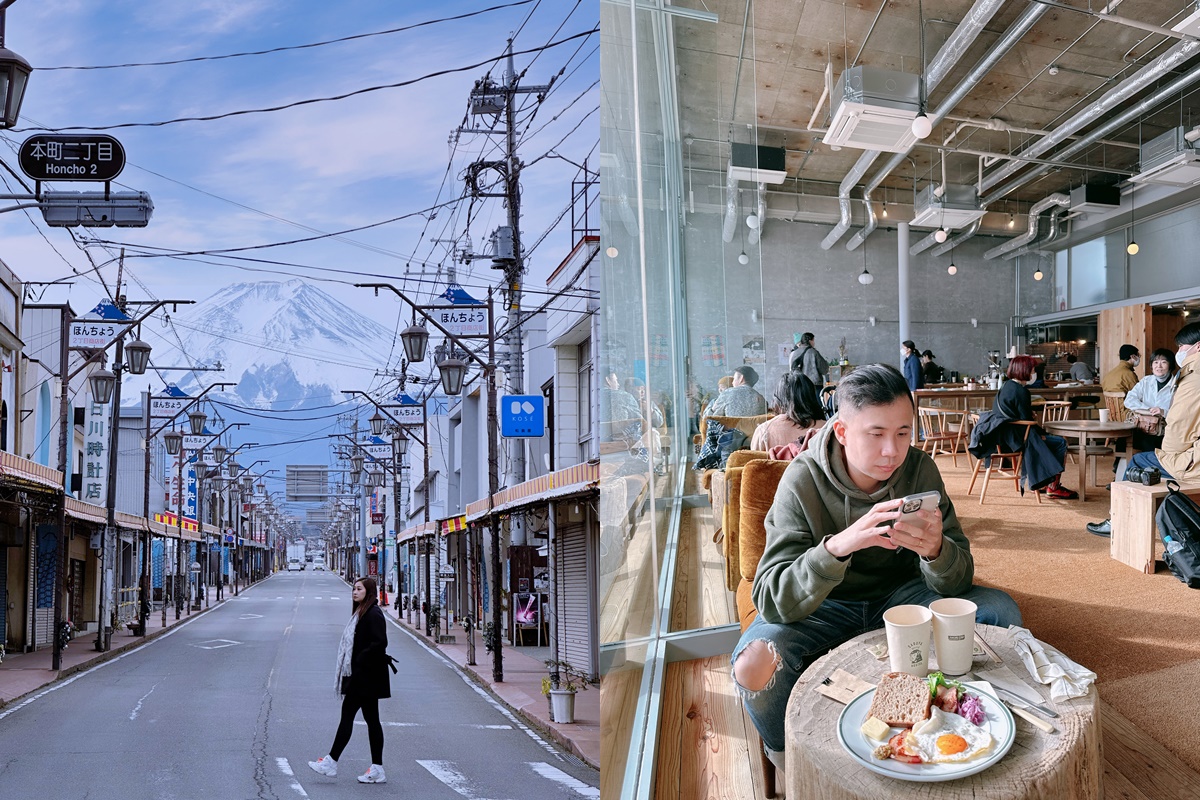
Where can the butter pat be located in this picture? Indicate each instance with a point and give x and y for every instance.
(875, 728)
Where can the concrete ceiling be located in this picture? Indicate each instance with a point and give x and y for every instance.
(788, 43)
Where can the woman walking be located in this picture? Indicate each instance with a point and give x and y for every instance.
(361, 678)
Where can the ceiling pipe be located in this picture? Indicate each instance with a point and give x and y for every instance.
(1167, 93)
(1032, 13)
(952, 51)
(958, 239)
(1052, 236)
(1159, 68)
(1057, 199)
(729, 224)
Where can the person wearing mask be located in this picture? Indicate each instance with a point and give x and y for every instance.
(361, 679)
(799, 411)
(836, 554)
(1122, 377)
(740, 400)
(930, 372)
(1080, 371)
(807, 360)
(1150, 399)
(1039, 376)
(1179, 456)
(911, 365)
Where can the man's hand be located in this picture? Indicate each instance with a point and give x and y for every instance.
(920, 532)
(871, 530)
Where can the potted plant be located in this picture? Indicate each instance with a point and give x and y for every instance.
(547, 685)
(562, 699)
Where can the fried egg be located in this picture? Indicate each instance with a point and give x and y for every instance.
(948, 738)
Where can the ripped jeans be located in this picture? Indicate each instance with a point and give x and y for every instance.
(833, 623)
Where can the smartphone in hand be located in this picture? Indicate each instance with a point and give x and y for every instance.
(916, 502)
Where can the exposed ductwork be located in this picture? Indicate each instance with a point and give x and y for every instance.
(956, 240)
(1006, 42)
(1058, 199)
(1159, 68)
(1052, 235)
(729, 224)
(952, 51)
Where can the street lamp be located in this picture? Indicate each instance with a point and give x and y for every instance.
(197, 419)
(219, 451)
(453, 370)
(377, 424)
(357, 461)
(14, 77)
(174, 442)
(234, 469)
(137, 354)
(103, 382)
(399, 446)
(415, 339)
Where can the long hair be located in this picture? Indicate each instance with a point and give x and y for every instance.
(796, 397)
(372, 598)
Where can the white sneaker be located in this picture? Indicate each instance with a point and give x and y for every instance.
(325, 765)
(373, 775)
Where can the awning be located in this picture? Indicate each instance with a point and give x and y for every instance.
(424, 529)
(578, 479)
(169, 525)
(86, 511)
(30, 473)
(454, 524)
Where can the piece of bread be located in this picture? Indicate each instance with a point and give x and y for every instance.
(902, 700)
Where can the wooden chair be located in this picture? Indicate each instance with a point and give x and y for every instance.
(1056, 410)
(941, 426)
(760, 479)
(997, 460)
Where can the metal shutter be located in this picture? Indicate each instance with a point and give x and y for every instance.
(575, 591)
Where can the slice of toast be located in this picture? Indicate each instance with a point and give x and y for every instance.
(902, 700)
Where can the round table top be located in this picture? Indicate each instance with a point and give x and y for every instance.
(812, 738)
(1089, 425)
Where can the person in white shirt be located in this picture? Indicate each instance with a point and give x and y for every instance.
(1150, 399)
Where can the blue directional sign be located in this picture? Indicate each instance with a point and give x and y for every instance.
(523, 416)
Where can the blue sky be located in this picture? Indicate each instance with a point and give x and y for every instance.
(318, 168)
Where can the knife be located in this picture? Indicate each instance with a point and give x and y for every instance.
(1017, 700)
(1025, 715)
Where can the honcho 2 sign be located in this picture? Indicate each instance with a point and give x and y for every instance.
(70, 157)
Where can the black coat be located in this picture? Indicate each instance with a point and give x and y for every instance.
(369, 659)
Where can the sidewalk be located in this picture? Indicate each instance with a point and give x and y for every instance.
(521, 689)
(23, 673)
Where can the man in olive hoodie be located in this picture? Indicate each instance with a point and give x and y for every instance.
(836, 557)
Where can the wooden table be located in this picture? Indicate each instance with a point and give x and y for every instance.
(1083, 430)
(1066, 765)
(961, 397)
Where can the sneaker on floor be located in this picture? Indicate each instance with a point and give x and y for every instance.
(325, 765)
(373, 775)
(1062, 493)
(1100, 528)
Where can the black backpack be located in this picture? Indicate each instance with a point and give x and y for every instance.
(1178, 520)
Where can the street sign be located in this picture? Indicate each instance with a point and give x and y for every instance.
(195, 441)
(464, 321)
(167, 407)
(408, 415)
(71, 157)
(94, 334)
(379, 452)
(446, 571)
(523, 416)
(377, 519)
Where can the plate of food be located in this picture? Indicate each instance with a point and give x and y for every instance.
(929, 730)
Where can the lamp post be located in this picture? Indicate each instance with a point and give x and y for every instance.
(452, 371)
(194, 416)
(223, 457)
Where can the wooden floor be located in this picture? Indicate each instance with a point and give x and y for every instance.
(704, 751)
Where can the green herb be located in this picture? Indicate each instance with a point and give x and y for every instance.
(937, 679)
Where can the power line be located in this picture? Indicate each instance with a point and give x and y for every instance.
(311, 100)
(290, 47)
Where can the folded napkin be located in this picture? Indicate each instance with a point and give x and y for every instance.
(1066, 678)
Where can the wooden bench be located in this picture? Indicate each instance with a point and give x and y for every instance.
(1134, 532)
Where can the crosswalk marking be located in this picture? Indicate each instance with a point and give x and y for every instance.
(446, 772)
(425, 724)
(558, 776)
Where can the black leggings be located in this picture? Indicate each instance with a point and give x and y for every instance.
(370, 710)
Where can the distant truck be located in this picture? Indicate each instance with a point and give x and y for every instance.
(296, 552)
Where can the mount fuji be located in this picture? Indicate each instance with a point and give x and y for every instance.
(287, 344)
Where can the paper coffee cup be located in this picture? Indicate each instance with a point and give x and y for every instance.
(908, 629)
(1104, 415)
(953, 633)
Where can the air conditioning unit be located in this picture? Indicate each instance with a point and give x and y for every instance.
(757, 164)
(1169, 159)
(1093, 198)
(873, 109)
(957, 208)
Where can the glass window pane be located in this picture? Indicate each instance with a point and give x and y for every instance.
(1089, 273)
(1061, 259)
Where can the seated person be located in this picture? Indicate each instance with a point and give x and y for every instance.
(723, 383)
(1013, 402)
(931, 372)
(1150, 399)
(740, 400)
(618, 406)
(799, 411)
(650, 410)
(1123, 376)
(1080, 371)
(1039, 376)
(820, 584)
(1179, 455)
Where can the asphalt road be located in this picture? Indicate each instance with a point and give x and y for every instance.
(234, 703)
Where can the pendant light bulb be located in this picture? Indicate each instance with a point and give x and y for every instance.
(752, 222)
(866, 278)
(939, 235)
(885, 209)
(1037, 275)
(953, 270)
(1012, 220)
(743, 258)
(1133, 248)
(921, 126)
